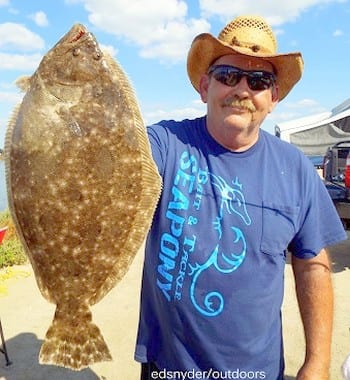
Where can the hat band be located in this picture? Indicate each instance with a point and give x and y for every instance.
(255, 48)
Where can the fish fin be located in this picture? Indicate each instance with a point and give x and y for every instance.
(7, 158)
(74, 343)
(8, 137)
(23, 82)
(7, 153)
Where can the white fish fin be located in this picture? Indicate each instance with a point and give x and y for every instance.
(23, 83)
(7, 151)
(7, 148)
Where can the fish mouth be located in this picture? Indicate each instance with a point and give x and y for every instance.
(78, 32)
(79, 35)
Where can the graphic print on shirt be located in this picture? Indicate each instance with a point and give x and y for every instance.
(178, 245)
(232, 201)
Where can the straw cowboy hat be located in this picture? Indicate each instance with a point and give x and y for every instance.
(250, 36)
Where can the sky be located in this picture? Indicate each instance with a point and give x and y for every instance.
(151, 38)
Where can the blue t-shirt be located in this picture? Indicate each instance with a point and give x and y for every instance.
(214, 263)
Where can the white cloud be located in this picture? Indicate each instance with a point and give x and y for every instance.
(163, 29)
(132, 20)
(160, 28)
(16, 36)
(288, 111)
(111, 50)
(175, 41)
(282, 116)
(21, 62)
(301, 104)
(4, 3)
(275, 12)
(40, 19)
(11, 98)
(154, 116)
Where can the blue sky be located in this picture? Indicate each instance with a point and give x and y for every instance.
(150, 39)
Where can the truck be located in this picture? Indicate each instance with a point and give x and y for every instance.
(325, 139)
(336, 177)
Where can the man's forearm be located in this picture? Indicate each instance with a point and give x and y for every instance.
(315, 297)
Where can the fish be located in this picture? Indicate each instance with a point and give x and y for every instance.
(82, 187)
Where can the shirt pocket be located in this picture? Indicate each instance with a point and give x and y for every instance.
(278, 227)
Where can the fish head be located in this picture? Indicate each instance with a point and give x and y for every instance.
(75, 59)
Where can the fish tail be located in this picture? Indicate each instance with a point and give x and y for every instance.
(74, 342)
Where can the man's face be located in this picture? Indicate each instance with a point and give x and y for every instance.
(231, 110)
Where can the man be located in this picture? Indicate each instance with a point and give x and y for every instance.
(234, 199)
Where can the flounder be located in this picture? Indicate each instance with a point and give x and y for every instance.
(82, 187)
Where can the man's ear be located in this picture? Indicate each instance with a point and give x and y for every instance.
(274, 98)
(203, 87)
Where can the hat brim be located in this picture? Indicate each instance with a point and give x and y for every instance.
(206, 49)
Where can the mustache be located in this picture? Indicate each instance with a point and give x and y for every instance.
(240, 103)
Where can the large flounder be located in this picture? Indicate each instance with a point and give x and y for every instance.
(82, 187)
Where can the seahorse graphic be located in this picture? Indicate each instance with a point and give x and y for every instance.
(213, 302)
(232, 201)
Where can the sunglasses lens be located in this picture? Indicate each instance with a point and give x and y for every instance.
(227, 77)
(259, 82)
(230, 76)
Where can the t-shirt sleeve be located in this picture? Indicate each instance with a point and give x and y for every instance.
(320, 225)
(157, 137)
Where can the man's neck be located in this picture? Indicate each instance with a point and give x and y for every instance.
(235, 140)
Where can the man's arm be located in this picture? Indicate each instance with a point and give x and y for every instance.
(315, 298)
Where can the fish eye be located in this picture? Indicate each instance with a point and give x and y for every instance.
(76, 52)
(97, 55)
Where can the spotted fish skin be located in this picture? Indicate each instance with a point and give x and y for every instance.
(82, 187)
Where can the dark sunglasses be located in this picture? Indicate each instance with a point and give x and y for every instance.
(257, 80)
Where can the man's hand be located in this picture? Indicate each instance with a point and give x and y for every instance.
(313, 372)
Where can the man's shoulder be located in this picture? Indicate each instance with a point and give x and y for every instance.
(186, 130)
(177, 125)
(275, 143)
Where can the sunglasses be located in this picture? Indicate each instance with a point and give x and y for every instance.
(257, 80)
